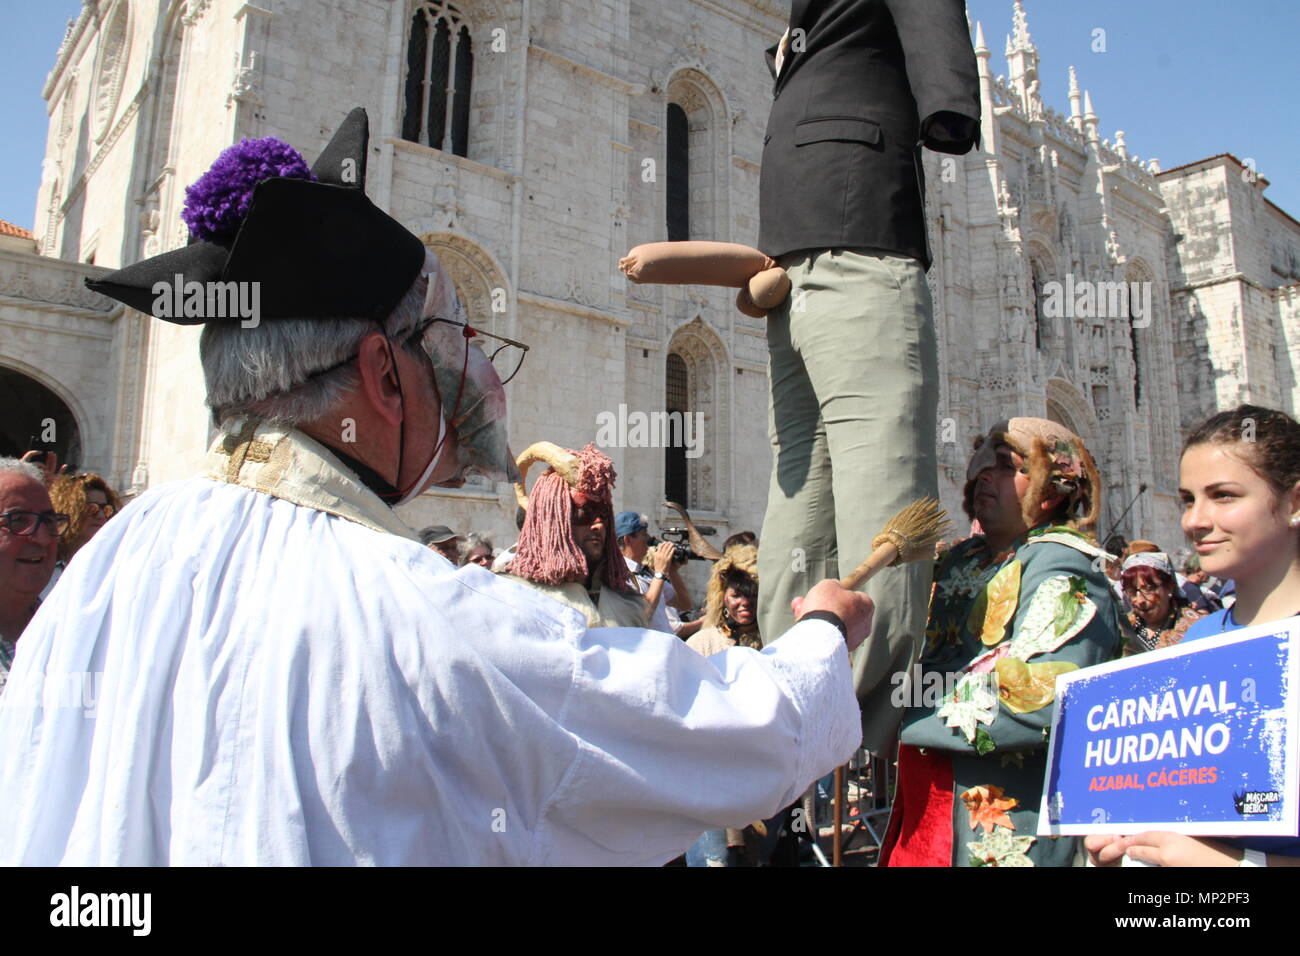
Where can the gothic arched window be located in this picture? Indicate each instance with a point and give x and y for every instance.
(1042, 323)
(439, 73)
(679, 174)
(1137, 276)
(676, 399)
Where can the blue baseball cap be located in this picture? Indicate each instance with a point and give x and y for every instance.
(628, 523)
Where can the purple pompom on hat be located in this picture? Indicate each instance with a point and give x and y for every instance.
(216, 205)
(310, 238)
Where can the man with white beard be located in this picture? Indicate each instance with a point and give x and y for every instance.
(285, 676)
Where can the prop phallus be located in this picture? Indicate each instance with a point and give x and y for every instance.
(762, 283)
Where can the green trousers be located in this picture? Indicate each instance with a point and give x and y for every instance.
(854, 378)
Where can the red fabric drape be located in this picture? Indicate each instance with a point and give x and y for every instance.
(920, 826)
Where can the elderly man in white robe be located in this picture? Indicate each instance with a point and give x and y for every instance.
(281, 674)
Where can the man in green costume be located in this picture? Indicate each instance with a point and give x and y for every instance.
(1011, 608)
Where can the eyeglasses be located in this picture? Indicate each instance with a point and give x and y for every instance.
(24, 522)
(1150, 590)
(92, 509)
(508, 358)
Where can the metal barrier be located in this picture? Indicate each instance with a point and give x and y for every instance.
(861, 795)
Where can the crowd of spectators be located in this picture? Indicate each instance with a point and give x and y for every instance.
(1242, 515)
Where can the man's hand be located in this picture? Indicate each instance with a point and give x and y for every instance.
(852, 607)
(662, 559)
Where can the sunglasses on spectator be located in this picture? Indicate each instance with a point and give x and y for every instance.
(93, 509)
(24, 522)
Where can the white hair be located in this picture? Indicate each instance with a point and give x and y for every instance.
(475, 540)
(24, 468)
(272, 371)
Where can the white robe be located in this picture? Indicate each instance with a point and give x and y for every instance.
(272, 684)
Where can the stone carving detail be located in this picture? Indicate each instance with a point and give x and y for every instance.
(109, 67)
(195, 11)
(244, 87)
(66, 117)
(449, 207)
(1114, 252)
(150, 224)
(572, 285)
(1008, 211)
(61, 288)
(474, 274)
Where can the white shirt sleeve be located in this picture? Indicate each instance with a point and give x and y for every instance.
(671, 743)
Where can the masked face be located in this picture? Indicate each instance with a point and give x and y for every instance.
(473, 399)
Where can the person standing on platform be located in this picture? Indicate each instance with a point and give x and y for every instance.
(860, 87)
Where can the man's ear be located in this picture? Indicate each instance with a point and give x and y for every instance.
(379, 378)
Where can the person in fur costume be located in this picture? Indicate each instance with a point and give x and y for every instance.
(566, 547)
(731, 605)
(1012, 607)
(731, 619)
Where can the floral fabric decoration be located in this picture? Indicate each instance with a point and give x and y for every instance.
(988, 807)
(1025, 688)
(996, 606)
(964, 580)
(1059, 609)
(1001, 848)
(973, 701)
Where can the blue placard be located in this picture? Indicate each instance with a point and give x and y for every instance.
(1199, 738)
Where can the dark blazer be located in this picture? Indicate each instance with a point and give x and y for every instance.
(875, 80)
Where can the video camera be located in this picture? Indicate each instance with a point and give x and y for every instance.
(681, 550)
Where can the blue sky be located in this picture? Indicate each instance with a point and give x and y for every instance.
(1184, 79)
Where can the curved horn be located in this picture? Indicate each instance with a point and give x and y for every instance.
(698, 543)
(563, 461)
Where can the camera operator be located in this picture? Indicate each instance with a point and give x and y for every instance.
(660, 585)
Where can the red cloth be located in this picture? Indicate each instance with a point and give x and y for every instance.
(920, 826)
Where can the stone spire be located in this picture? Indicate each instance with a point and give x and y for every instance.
(1020, 28)
(988, 118)
(1089, 117)
(1076, 111)
(1022, 63)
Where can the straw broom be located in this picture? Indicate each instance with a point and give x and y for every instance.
(908, 536)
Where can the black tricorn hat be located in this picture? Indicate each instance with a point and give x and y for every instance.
(318, 248)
